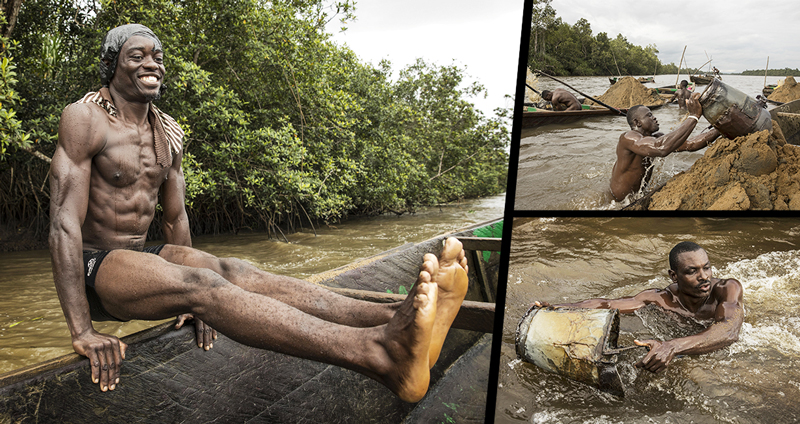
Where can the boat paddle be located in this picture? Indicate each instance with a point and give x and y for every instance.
(582, 94)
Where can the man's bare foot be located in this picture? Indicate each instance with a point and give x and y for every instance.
(449, 272)
(407, 342)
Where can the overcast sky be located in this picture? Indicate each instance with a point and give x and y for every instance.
(483, 36)
(737, 34)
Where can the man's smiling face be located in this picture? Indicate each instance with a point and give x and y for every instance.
(140, 70)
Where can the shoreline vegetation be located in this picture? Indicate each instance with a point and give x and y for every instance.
(283, 126)
(561, 49)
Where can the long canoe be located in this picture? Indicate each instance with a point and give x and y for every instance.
(701, 79)
(166, 378)
(788, 118)
(537, 118)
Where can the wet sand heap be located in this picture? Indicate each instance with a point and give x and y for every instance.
(759, 171)
(787, 91)
(533, 81)
(628, 92)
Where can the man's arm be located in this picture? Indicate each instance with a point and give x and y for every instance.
(176, 231)
(79, 139)
(626, 305)
(698, 142)
(666, 144)
(173, 194)
(728, 318)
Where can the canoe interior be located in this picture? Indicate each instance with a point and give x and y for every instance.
(166, 378)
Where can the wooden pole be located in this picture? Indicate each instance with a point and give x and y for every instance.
(679, 67)
(765, 72)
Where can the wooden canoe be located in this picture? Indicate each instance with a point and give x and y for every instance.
(701, 79)
(787, 116)
(643, 80)
(768, 89)
(538, 118)
(166, 378)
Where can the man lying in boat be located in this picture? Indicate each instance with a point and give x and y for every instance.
(637, 147)
(116, 154)
(681, 95)
(694, 293)
(561, 99)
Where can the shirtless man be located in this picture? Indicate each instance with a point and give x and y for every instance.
(681, 95)
(116, 154)
(561, 99)
(637, 146)
(694, 293)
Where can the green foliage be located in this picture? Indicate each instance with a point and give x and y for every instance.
(283, 127)
(785, 72)
(559, 48)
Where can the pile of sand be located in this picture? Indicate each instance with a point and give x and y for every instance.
(628, 92)
(753, 172)
(787, 91)
(533, 81)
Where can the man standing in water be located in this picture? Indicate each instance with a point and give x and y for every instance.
(694, 293)
(561, 99)
(637, 147)
(116, 154)
(681, 95)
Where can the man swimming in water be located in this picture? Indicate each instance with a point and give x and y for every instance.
(561, 99)
(642, 142)
(694, 293)
(117, 154)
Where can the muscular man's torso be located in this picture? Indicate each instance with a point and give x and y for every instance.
(124, 185)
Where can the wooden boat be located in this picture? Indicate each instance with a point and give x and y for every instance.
(701, 79)
(643, 80)
(670, 89)
(768, 89)
(533, 117)
(166, 378)
(788, 118)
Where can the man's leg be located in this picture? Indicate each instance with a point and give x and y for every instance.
(307, 297)
(134, 285)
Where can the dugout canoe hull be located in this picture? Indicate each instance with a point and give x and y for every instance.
(166, 378)
(541, 118)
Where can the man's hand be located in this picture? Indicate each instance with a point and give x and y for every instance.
(660, 355)
(105, 355)
(693, 105)
(205, 334)
(542, 304)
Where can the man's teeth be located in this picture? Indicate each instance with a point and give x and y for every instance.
(149, 78)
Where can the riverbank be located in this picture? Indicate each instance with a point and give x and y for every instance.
(16, 238)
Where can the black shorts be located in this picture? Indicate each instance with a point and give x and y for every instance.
(91, 263)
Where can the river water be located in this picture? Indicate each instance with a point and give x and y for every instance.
(755, 380)
(568, 166)
(33, 329)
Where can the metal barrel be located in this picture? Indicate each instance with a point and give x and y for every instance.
(732, 112)
(577, 343)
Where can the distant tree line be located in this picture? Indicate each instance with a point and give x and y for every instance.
(559, 48)
(283, 126)
(785, 72)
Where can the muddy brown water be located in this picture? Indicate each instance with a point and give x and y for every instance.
(568, 166)
(755, 380)
(33, 329)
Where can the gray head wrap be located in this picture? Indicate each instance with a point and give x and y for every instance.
(112, 44)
